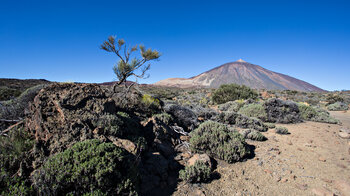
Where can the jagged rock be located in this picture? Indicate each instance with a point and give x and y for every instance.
(124, 143)
(185, 117)
(199, 157)
(62, 114)
(279, 111)
(161, 136)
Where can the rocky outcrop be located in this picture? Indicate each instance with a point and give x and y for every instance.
(280, 111)
(62, 114)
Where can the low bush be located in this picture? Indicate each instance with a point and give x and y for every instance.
(217, 140)
(199, 172)
(282, 130)
(270, 125)
(242, 121)
(231, 106)
(316, 114)
(253, 135)
(338, 106)
(87, 166)
(8, 93)
(250, 123)
(165, 117)
(14, 108)
(333, 98)
(152, 103)
(254, 110)
(232, 92)
(13, 156)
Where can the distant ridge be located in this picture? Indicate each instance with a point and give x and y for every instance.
(242, 73)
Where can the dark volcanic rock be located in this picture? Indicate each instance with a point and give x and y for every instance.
(279, 111)
(62, 114)
(185, 117)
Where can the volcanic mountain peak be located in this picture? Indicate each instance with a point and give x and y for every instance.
(242, 73)
(241, 61)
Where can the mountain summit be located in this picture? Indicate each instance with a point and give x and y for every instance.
(242, 73)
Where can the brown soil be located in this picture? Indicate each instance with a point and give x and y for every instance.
(312, 160)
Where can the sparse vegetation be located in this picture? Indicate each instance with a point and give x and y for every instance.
(199, 172)
(232, 106)
(152, 103)
(232, 92)
(282, 130)
(215, 139)
(127, 66)
(254, 110)
(253, 135)
(87, 166)
(13, 150)
(338, 106)
(165, 117)
(270, 125)
(316, 114)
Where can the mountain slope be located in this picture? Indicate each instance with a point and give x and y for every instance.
(243, 73)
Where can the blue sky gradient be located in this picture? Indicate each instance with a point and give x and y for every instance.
(59, 40)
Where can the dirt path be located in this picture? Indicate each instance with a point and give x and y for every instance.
(312, 160)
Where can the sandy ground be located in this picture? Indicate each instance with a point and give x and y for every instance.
(312, 160)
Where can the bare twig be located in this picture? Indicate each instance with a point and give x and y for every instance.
(6, 120)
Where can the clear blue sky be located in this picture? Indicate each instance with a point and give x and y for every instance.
(59, 40)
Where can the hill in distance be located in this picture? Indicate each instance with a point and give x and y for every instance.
(242, 73)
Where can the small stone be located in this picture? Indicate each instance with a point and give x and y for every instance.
(289, 143)
(284, 179)
(199, 193)
(308, 145)
(320, 191)
(268, 171)
(299, 149)
(327, 180)
(278, 178)
(344, 135)
(302, 187)
(345, 130)
(293, 177)
(322, 159)
(184, 138)
(199, 157)
(342, 186)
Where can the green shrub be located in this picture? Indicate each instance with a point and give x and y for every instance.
(231, 106)
(254, 110)
(316, 114)
(199, 172)
(242, 121)
(87, 166)
(270, 125)
(165, 117)
(282, 130)
(253, 135)
(215, 139)
(153, 104)
(8, 93)
(13, 185)
(231, 92)
(13, 152)
(338, 106)
(333, 98)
